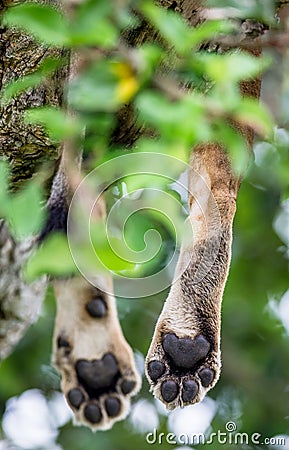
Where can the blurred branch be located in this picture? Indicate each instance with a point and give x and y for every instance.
(271, 39)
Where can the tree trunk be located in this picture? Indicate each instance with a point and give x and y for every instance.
(25, 146)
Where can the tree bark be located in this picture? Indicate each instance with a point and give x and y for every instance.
(25, 146)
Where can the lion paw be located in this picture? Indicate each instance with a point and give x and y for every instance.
(182, 369)
(96, 363)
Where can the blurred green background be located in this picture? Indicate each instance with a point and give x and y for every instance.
(252, 395)
(253, 390)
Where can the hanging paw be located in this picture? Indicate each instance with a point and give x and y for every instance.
(183, 362)
(184, 359)
(96, 363)
(182, 369)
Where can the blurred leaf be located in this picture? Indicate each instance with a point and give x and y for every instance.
(58, 124)
(182, 121)
(127, 82)
(234, 144)
(93, 25)
(148, 57)
(26, 223)
(110, 249)
(254, 114)
(13, 207)
(231, 66)
(176, 30)
(43, 21)
(53, 257)
(4, 178)
(103, 87)
(171, 25)
(46, 68)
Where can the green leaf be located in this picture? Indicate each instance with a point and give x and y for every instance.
(25, 213)
(149, 57)
(178, 33)
(209, 29)
(4, 177)
(103, 87)
(110, 250)
(254, 114)
(44, 22)
(171, 25)
(29, 81)
(55, 121)
(52, 257)
(234, 143)
(180, 121)
(231, 67)
(93, 25)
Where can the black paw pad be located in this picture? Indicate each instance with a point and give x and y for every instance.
(99, 373)
(127, 386)
(190, 390)
(185, 352)
(169, 390)
(112, 406)
(62, 342)
(96, 307)
(75, 397)
(206, 375)
(156, 369)
(92, 413)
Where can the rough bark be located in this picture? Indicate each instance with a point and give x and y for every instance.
(25, 146)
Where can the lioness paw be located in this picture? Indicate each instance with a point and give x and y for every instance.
(181, 370)
(96, 363)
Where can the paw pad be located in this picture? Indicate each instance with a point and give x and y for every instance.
(75, 397)
(97, 365)
(156, 369)
(182, 369)
(169, 390)
(96, 307)
(127, 386)
(92, 413)
(190, 390)
(112, 406)
(185, 352)
(97, 374)
(62, 342)
(99, 396)
(206, 375)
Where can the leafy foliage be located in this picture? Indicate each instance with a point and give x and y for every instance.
(13, 207)
(252, 390)
(116, 75)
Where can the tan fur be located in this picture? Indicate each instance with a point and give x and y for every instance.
(90, 339)
(193, 306)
